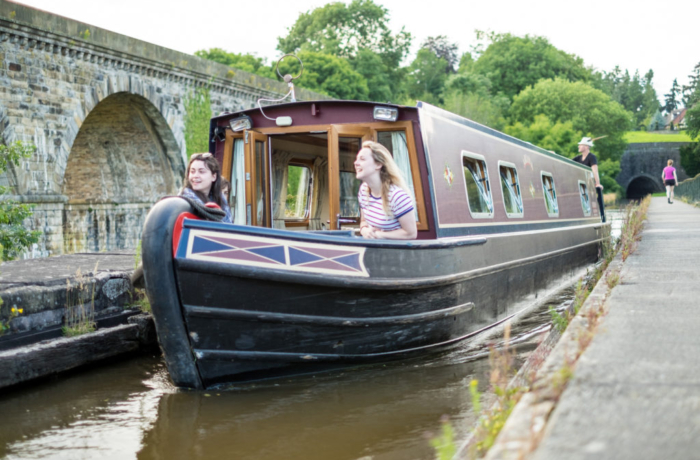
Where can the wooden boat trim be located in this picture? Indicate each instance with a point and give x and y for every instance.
(223, 355)
(244, 271)
(332, 321)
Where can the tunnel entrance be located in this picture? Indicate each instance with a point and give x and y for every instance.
(641, 187)
(123, 160)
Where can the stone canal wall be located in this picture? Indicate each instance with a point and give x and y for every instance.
(107, 115)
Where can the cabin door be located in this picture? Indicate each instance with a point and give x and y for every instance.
(257, 171)
(345, 142)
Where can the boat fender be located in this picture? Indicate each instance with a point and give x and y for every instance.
(177, 229)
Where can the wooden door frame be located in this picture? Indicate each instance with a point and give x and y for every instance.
(335, 131)
(252, 137)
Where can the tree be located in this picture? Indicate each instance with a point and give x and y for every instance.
(426, 77)
(691, 92)
(514, 63)
(590, 111)
(672, 102)
(14, 236)
(690, 154)
(479, 107)
(197, 117)
(246, 62)
(657, 122)
(442, 49)
(327, 74)
(559, 137)
(369, 64)
(343, 30)
(635, 93)
(608, 171)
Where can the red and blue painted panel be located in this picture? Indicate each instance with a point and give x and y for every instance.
(256, 251)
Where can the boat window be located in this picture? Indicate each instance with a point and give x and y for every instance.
(395, 142)
(236, 196)
(585, 199)
(349, 188)
(298, 192)
(260, 184)
(550, 195)
(510, 186)
(478, 188)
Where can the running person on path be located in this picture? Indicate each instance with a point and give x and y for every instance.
(670, 180)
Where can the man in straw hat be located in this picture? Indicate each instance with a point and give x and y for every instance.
(588, 159)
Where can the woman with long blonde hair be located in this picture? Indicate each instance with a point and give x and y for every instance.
(387, 210)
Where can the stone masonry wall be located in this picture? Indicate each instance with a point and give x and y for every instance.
(106, 113)
(645, 161)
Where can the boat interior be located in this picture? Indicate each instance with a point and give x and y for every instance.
(305, 180)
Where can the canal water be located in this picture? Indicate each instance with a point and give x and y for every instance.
(128, 409)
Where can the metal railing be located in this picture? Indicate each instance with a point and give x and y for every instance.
(689, 189)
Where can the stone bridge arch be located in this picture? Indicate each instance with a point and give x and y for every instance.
(641, 165)
(123, 159)
(83, 97)
(643, 185)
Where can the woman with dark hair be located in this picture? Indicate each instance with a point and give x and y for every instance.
(203, 182)
(387, 210)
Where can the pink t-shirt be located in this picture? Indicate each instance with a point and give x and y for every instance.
(668, 172)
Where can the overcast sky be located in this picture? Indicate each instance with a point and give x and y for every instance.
(639, 34)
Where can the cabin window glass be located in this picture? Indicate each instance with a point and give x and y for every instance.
(510, 186)
(395, 142)
(298, 192)
(476, 179)
(260, 189)
(349, 188)
(550, 195)
(236, 196)
(585, 199)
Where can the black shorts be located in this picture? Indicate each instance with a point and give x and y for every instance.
(670, 182)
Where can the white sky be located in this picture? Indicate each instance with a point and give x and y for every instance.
(641, 34)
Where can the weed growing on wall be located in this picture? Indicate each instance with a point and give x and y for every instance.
(80, 306)
(14, 236)
(197, 116)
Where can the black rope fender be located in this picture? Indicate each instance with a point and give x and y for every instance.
(200, 210)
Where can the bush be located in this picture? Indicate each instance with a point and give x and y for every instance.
(14, 237)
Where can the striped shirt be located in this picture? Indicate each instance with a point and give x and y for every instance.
(400, 203)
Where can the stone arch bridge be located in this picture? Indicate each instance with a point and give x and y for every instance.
(641, 166)
(106, 113)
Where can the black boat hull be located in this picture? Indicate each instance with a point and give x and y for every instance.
(223, 320)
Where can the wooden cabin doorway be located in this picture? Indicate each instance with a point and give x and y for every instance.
(303, 178)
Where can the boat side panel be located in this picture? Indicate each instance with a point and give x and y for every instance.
(445, 141)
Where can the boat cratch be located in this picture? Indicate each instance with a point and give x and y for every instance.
(291, 287)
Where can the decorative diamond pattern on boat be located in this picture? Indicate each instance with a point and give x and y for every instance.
(275, 253)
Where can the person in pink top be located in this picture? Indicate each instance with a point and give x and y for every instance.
(670, 180)
(386, 207)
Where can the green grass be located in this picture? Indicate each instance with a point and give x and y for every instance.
(638, 137)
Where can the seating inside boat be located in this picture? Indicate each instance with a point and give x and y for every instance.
(283, 180)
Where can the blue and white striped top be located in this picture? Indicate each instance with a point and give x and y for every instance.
(399, 202)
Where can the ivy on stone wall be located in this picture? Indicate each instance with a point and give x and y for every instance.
(14, 236)
(197, 116)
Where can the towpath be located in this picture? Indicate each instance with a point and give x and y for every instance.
(635, 393)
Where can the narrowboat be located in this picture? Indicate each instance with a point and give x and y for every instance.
(290, 287)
